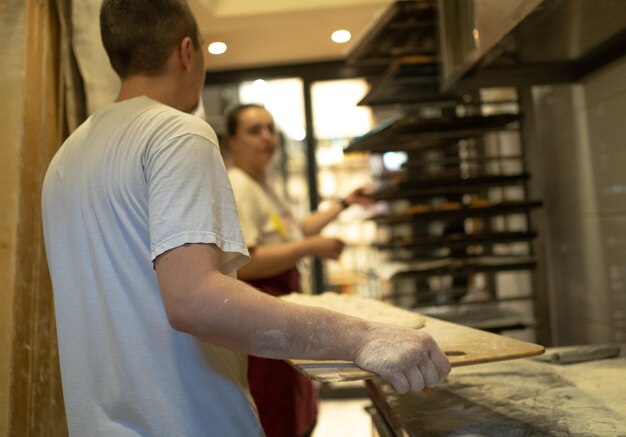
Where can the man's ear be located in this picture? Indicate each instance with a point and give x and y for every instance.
(186, 49)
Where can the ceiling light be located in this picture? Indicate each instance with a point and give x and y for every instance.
(341, 36)
(217, 48)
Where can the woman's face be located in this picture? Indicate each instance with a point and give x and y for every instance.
(255, 140)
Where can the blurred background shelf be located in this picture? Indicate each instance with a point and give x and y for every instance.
(466, 267)
(403, 28)
(460, 240)
(460, 211)
(411, 131)
(411, 80)
(414, 185)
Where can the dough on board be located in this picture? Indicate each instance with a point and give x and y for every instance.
(363, 307)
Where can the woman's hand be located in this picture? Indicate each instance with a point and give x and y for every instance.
(360, 196)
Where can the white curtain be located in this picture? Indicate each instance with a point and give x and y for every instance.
(101, 84)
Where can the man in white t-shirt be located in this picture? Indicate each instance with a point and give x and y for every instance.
(143, 241)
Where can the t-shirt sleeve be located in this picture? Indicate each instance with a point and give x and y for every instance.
(247, 197)
(191, 199)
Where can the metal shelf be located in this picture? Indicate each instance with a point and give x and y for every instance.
(501, 208)
(488, 317)
(458, 240)
(432, 186)
(411, 80)
(414, 82)
(405, 27)
(467, 267)
(420, 163)
(415, 132)
(433, 259)
(433, 309)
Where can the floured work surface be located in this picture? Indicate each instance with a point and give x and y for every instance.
(522, 398)
(462, 345)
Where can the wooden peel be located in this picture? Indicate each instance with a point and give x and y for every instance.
(463, 345)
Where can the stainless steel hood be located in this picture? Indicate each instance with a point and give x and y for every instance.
(525, 42)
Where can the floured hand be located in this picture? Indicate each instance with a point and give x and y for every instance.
(409, 359)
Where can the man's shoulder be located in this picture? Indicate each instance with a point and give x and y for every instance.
(193, 125)
(169, 122)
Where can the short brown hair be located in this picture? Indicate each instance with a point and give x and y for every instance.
(139, 35)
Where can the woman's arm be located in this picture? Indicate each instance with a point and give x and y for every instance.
(315, 222)
(268, 261)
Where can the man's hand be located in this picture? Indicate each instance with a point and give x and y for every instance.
(408, 358)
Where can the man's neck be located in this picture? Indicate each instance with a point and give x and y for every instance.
(155, 88)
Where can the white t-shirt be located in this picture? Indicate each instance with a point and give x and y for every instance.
(135, 180)
(265, 220)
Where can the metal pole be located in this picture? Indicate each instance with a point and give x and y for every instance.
(317, 272)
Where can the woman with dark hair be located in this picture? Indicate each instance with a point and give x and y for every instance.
(287, 401)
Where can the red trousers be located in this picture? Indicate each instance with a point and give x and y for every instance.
(286, 400)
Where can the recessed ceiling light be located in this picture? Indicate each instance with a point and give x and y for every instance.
(341, 36)
(217, 48)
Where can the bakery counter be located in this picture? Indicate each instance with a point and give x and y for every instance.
(574, 391)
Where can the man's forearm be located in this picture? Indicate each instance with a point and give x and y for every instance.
(203, 302)
(234, 315)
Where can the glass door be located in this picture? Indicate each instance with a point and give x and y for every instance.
(337, 119)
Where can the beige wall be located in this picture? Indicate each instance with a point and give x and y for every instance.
(12, 84)
(30, 391)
